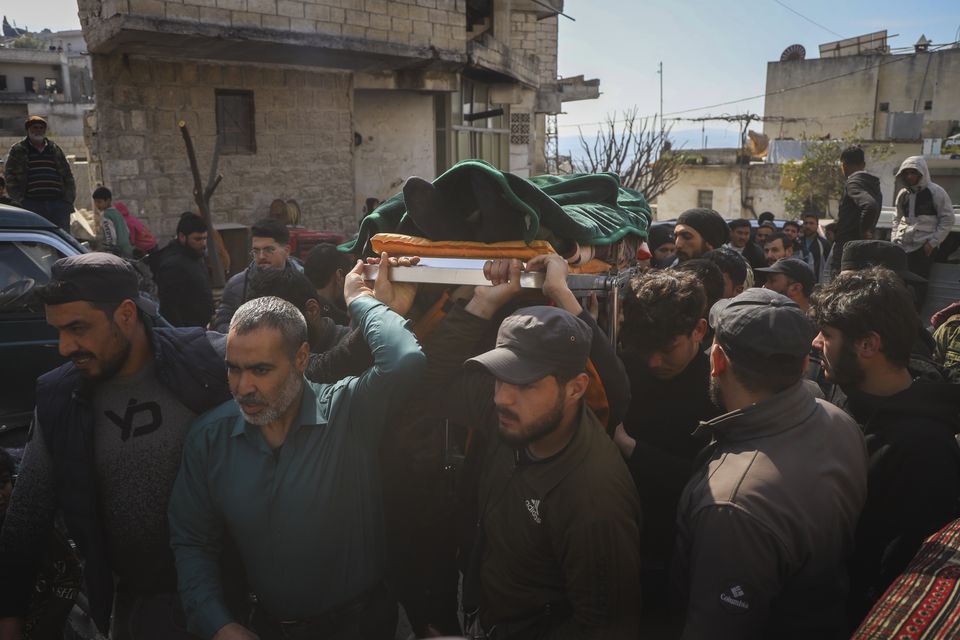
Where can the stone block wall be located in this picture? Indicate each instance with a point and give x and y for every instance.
(537, 38)
(304, 140)
(437, 23)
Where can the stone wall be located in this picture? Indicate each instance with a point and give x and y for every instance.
(438, 23)
(537, 38)
(547, 49)
(304, 140)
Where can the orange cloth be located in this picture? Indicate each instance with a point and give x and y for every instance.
(397, 244)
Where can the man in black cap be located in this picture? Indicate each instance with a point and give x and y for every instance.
(766, 523)
(791, 277)
(867, 329)
(38, 175)
(557, 550)
(663, 246)
(105, 448)
(699, 231)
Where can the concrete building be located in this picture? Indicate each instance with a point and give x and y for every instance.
(52, 81)
(910, 100)
(328, 102)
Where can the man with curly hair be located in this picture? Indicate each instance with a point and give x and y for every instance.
(662, 338)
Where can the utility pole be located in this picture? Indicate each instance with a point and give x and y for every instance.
(662, 129)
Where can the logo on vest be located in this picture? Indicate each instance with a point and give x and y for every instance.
(533, 506)
(735, 599)
(134, 415)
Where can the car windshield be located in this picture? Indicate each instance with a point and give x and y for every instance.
(24, 266)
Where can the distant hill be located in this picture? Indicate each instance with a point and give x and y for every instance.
(688, 139)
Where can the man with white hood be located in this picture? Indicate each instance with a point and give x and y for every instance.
(924, 218)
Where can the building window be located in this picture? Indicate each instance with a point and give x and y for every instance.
(884, 106)
(480, 129)
(235, 122)
(50, 85)
(705, 199)
(3, 83)
(29, 86)
(928, 105)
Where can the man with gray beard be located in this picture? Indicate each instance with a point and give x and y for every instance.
(289, 471)
(766, 524)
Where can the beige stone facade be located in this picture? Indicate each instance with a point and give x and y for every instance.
(304, 139)
(346, 98)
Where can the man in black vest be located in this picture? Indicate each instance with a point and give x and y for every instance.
(105, 448)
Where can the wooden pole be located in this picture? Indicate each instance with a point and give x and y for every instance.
(202, 197)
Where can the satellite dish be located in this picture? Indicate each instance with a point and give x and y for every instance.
(793, 52)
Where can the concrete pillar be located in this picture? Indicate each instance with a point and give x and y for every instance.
(65, 78)
(501, 20)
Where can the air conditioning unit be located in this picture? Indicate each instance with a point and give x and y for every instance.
(904, 125)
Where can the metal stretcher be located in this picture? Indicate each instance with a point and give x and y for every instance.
(456, 271)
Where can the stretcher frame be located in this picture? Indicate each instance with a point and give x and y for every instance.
(456, 271)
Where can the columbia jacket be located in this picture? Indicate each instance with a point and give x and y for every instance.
(924, 211)
(767, 523)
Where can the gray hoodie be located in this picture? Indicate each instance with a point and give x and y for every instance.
(924, 212)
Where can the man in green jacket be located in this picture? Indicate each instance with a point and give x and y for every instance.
(38, 175)
(557, 550)
(289, 471)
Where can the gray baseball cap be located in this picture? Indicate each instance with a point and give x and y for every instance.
(535, 342)
(760, 324)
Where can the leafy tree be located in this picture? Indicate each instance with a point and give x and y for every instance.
(815, 182)
(638, 151)
(27, 41)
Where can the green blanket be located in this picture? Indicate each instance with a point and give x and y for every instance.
(590, 209)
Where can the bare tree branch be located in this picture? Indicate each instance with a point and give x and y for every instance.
(638, 151)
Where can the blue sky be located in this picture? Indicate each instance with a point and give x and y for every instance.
(715, 50)
(712, 50)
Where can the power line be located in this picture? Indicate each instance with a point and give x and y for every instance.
(813, 22)
(812, 83)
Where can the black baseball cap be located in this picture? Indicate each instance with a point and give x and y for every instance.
(95, 277)
(535, 342)
(795, 269)
(760, 324)
(863, 254)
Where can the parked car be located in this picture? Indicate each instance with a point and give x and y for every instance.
(29, 245)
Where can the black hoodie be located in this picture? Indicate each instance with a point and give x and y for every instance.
(858, 211)
(913, 482)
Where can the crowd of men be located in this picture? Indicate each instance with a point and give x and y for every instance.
(760, 455)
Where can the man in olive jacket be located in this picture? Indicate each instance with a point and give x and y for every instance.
(557, 551)
(38, 175)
